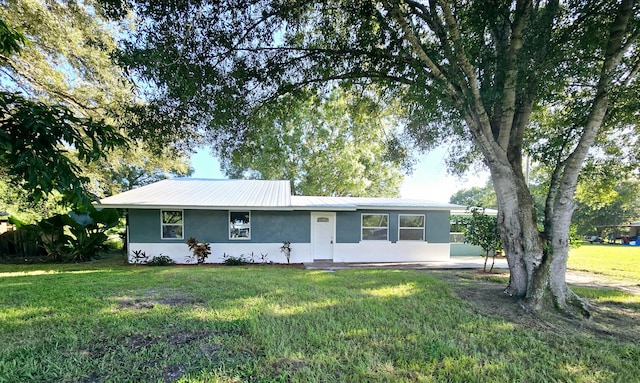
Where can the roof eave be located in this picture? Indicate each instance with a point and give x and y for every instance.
(431, 208)
(193, 207)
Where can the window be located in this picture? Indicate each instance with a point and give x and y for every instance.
(171, 224)
(375, 227)
(458, 226)
(239, 225)
(411, 227)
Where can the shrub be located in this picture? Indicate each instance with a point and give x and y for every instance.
(161, 260)
(286, 250)
(139, 257)
(200, 250)
(230, 260)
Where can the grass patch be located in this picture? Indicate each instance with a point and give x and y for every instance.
(613, 262)
(106, 322)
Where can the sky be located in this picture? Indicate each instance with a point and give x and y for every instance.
(428, 181)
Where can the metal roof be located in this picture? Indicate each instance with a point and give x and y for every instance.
(353, 203)
(205, 194)
(192, 193)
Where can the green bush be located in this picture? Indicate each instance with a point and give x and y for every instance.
(161, 260)
(230, 260)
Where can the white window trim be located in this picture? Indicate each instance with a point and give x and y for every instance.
(229, 228)
(456, 234)
(162, 224)
(424, 225)
(373, 227)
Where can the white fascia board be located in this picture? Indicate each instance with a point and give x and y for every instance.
(428, 208)
(324, 208)
(187, 207)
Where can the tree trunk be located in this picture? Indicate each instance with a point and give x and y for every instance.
(549, 287)
(537, 263)
(518, 231)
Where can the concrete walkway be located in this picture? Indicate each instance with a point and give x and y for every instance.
(451, 263)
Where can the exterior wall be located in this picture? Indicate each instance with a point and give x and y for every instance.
(270, 228)
(212, 226)
(179, 252)
(465, 249)
(348, 225)
(384, 251)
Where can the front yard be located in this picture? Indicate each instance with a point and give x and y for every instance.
(105, 322)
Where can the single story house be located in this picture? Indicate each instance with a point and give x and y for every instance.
(255, 217)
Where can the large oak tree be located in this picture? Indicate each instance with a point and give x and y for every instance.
(468, 72)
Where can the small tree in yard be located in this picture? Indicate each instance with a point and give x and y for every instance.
(482, 230)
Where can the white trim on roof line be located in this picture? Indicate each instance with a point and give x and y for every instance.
(200, 194)
(193, 207)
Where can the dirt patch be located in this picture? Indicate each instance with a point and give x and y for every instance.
(285, 367)
(145, 300)
(485, 293)
(173, 373)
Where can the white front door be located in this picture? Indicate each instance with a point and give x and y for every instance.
(323, 233)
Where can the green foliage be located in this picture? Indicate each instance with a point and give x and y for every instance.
(11, 40)
(64, 82)
(613, 205)
(200, 250)
(35, 139)
(334, 145)
(482, 230)
(20, 204)
(231, 260)
(77, 237)
(73, 237)
(126, 168)
(476, 196)
(161, 260)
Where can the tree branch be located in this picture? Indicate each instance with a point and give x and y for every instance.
(455, 94)
(480, 113)
(509, 101)
(614, 52)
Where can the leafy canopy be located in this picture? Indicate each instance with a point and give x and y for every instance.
(337, 145)
(61, 64)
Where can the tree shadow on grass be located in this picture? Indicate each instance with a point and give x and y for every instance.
(613, 316)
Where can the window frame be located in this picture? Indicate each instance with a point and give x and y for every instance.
(362, 227)
(163, 224)
(413, 228)
(231, 238)
(456, 236)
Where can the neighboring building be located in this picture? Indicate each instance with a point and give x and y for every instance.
(244, 217)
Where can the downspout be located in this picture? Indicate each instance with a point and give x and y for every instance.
(126, 231)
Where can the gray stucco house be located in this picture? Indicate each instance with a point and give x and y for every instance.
(241, 217)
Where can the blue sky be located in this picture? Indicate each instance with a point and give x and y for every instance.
(429, 179)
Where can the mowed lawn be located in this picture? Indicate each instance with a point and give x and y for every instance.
(105, 322)
(612, 262)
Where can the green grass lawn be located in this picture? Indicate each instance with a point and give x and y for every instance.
(613, 262)
(104, 322)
